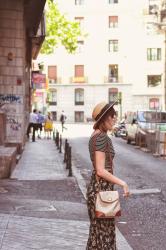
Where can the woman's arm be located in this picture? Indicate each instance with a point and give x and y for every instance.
(102, 172)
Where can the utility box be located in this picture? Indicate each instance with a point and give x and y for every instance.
(2, 127)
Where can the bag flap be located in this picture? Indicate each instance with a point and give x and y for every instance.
(109, 196)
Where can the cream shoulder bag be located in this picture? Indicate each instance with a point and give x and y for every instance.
(107, 202)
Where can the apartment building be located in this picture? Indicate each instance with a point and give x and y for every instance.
(120, 55)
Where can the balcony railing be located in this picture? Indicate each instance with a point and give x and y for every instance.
(79, 102)
(52, 103)
(110, 79)
(80, 79)
(51, 82)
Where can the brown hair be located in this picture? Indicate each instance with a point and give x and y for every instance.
(101, 124)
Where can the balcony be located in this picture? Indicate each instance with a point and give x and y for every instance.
(53, 82)
(38, 38)
(108, 79)
(79, 102)
(52, 103)
(80, 79)
(111, 79)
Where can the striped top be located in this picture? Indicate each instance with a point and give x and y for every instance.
(102, 142)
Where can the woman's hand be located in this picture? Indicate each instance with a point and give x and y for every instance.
(126, 190)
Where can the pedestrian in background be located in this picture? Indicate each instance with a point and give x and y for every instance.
(48, 126)
(63, 118)
(102, 231)
(40, 121)
(33, 120)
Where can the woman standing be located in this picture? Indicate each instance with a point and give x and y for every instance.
(48, 126)
(102, 231)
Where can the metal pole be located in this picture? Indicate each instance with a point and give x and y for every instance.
(70, 164)
(65, 153)
(57, 140)
(60, 144)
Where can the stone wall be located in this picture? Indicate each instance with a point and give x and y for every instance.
(14, 77)
(2, 128)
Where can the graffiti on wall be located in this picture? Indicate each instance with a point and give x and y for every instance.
(8, 109)
(14, 124)
(11, 98)
(12, 105)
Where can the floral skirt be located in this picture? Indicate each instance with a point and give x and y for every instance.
(101, 231)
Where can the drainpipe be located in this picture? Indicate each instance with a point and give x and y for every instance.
(165, 70)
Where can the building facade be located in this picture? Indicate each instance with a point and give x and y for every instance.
(121, 54)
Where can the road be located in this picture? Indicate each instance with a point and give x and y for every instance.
(143, 221)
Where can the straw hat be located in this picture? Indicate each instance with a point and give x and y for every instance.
(100, 110)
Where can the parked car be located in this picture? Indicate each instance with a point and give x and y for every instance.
(140, 122)
(120, 129)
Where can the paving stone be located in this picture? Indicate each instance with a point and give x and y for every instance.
(25, 233)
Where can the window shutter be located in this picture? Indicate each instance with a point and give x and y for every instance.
(52, 72)
(79, 70)
(113, 19)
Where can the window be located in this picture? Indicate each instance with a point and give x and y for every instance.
(113, 73)
(154, 103)
(154, 54)
(52, 97)
(79, 70)
(79, 96)
(112, 95)
(80, 20)
(80, 45)
(154, 80)
(79, 2)
(113, 21)
(113, 45)
(79, 116)
(52, 74)
(112, 1)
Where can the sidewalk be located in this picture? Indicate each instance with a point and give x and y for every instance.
(43, 208)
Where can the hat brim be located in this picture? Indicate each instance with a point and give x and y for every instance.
(101, 116)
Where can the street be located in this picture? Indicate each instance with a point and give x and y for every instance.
(143, 214)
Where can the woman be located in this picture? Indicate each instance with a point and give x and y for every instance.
(48, 126)
(102, 231)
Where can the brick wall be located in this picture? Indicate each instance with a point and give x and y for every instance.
(14, 77)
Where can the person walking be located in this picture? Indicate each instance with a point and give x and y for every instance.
(40, 121)
(48, 125)
(33, 120)
(102, 231)
(62, 120)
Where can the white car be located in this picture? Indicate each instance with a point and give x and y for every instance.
(139, 123)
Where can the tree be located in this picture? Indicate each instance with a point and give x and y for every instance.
(59, 30)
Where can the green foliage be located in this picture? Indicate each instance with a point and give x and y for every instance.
(59, 30)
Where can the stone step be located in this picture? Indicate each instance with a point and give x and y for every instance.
(7, 161)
